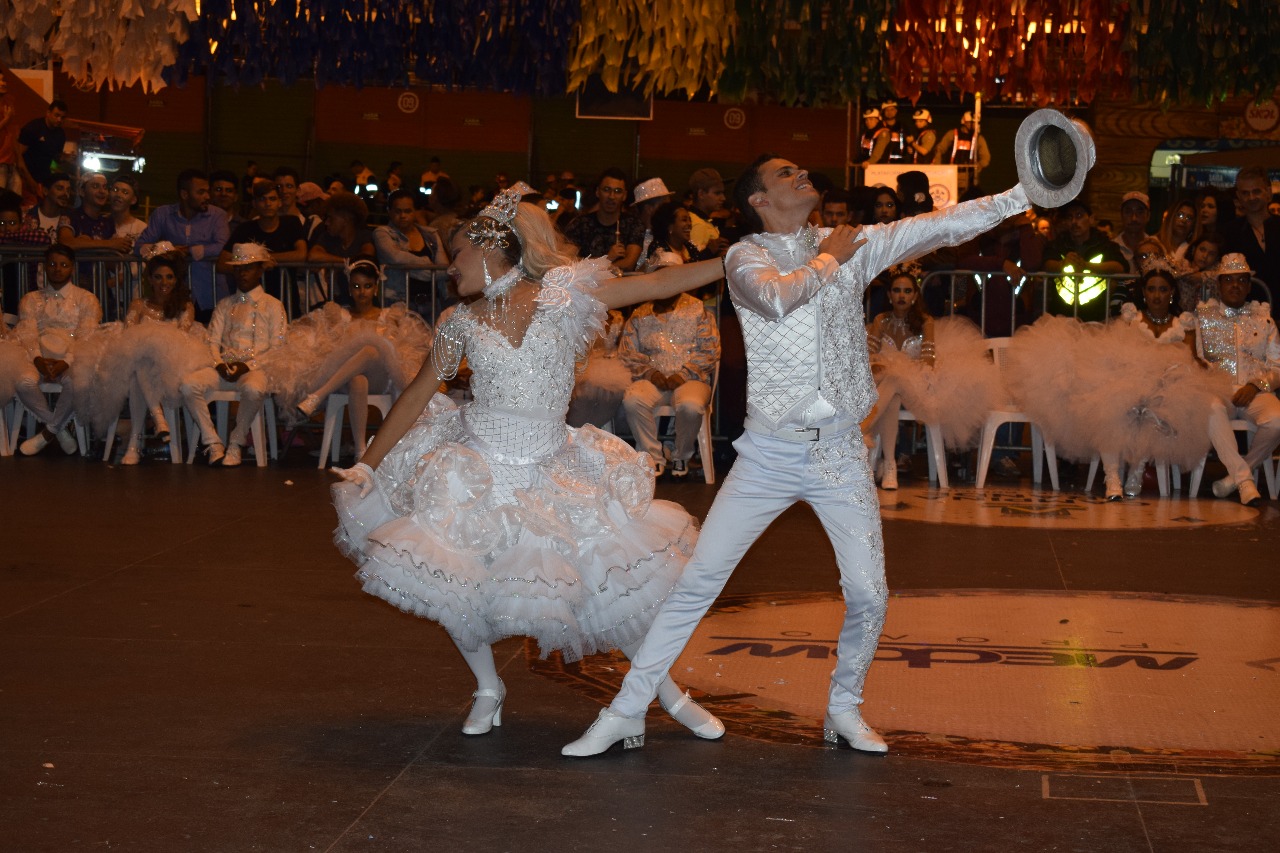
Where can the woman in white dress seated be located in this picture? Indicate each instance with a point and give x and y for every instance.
(362, 351)
(938, 370)
(496, 519)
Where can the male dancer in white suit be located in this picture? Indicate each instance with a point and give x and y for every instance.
(798, 291)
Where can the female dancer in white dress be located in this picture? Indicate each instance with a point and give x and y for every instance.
(938, 369)
(362, 351)
(146, 360)
(496, 519)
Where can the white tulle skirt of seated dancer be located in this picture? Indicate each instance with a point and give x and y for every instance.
(498, 525)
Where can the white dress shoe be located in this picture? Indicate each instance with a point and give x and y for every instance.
(1249, 493)
(67, 441)
(308, 406)
(608, 729)
(848, 729)
(486, 710)
(36, 443)
(889, 479)
(1224, 488)
(233, 457)
(215, 452)
(695, 718)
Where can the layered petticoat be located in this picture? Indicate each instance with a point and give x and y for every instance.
(957, 393)
(321, 343)
(1099, 391)
(13, 361)
(567, 546)
(159, 354)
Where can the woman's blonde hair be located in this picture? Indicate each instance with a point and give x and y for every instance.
(540, 246)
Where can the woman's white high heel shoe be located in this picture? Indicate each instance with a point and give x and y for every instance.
(486, 710)
(695, 718)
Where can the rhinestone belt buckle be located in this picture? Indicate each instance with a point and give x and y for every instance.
(815, 430)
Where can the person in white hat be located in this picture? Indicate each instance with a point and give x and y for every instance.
(898, 152)
(1135, 215)
(924, 139)
(649, 196)
(245, 326)
(1240, 339)
(51, 322)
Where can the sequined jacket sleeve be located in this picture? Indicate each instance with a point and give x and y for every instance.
(916, 236)
(758, 284)
(1268, 378)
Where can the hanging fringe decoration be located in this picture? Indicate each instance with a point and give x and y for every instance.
(658, 47)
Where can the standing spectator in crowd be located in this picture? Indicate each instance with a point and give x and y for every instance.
(1105, 228)
(405, 243)
(672, 226)
(51, 322)
(649, 196)
(311, 200)
(964, 147)
(433, 173)
(898, 152)
(50, 215)
(360, 175)
(924, 140)
(671, 347)
(873, 147)
(835, 208)
(707, 190)
(1044, 227)
(10, 174)
(1135, 214)
(16, 234)
(281, 236)
(609, 232)
(90, 226)
(913, 191)
(223, 195)
(1001, 303)
(40, 144)
(1179, 228)
(246, 186)
(885, 207)
(1241, 340)
(124, 199)
(443, 203)
(287, 182)
(193, 230)
(342, 237)
(1215, 211)
(1080, 248)
(244, 328)
(393, 180)
(1256, 234)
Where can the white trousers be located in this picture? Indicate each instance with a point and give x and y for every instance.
(690, 403)
(770, 475)
(252, 387)
(1265, 412)
(64, 408)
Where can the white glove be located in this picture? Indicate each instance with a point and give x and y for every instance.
(360, 474)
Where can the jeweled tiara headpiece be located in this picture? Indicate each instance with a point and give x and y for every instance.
(488, 231)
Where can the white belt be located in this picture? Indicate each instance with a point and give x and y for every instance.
(801, 435)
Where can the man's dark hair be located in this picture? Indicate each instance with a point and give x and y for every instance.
(1252, 173)
(53, 178)
(60, 249)
(262, 188)
(11, 202)
(748, 184)
(59, 104)
(287, 172)
(836, 195)
(186, 176)
(224, 175)
(403, 193)
(615, 173)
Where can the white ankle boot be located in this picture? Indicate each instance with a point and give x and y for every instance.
(847, 728)
(608, 729)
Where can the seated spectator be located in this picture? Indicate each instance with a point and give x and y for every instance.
(835, 208)
(50, 215)
(672, 227)
(224, 195)
(244, 328)
(342, 237)
(14, 234)
(52, 322)
(412, 247)
(671, 346)
(90, 226)
(1241, 340)
(289, 182)
(609, 232)
(281, 236)
(195, 232)
(1080, 249)
(311, 201)
(1179, 227)
(1199, 282)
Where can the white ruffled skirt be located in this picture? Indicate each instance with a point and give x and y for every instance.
(569, 549)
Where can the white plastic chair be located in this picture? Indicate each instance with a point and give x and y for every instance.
(15, 421)
(937, 450)
(1040, 450)
(175, 440)
(331, 442)
(261, 436)
(1268, 466)
(6, 448)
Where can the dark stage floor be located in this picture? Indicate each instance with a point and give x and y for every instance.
(186, 664)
